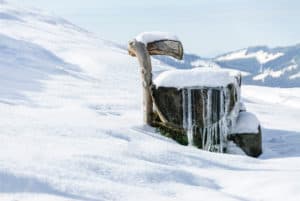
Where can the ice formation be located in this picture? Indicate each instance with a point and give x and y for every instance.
(213, 133)
(187, 114)
(218, 121)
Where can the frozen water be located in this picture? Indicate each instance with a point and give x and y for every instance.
(188, 114)
(213, 134)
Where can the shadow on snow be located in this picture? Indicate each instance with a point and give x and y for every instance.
(24, 66)
(10, 183)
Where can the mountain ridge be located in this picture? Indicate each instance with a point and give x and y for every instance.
(260, 65)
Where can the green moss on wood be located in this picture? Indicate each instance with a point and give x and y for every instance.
(178, 136)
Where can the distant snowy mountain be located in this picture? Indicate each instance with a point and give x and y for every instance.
(266, 66)
(277, 67)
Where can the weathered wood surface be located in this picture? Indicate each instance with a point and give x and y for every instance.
(166, 47)
(143, 56)
(162, 47)
(168, 104)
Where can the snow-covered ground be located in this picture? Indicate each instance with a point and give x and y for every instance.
(71, 127)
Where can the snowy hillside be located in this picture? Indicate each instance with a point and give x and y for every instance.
(71, 126)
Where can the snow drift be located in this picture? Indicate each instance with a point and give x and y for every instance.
(71, 126)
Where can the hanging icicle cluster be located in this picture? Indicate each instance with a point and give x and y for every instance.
(219, 111)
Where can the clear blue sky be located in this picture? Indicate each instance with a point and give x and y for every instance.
(206, 27)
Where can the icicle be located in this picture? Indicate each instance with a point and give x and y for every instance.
(204, 129)
(190, 129)
(209, 107)
(222, 102)
(184, 118)
(213, 134)
(187, 114)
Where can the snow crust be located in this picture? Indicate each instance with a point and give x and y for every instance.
(246, 123)
(148, 37)
(196, 77)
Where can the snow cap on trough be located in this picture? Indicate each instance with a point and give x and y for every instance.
(204, 76)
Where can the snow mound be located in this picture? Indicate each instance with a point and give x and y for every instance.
(246, 123)
(209, 77)
(149, 37)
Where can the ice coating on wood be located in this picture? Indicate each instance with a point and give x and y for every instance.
(246, 123)
(149, 37)
(213, 134)
(205, 76)
(212, 93)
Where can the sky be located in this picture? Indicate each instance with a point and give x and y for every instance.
(205, 27)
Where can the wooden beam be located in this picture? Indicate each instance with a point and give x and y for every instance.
(140, 51)
(163, 47)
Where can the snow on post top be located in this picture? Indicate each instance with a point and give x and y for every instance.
(149, 37)
(196, 77)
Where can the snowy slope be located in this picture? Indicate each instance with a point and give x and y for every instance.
(71, 126)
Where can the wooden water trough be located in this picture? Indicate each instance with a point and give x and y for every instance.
(199, 107)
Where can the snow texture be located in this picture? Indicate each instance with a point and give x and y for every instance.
(149, 37)
(71, 127)
(246, 123)
(196, 77)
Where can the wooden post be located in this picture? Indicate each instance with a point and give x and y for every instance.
(143, 52)
(143, 56)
